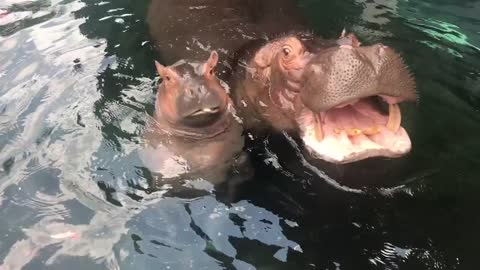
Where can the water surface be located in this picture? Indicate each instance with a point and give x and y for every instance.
(77, 78)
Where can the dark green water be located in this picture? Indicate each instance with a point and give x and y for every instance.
(77, 78)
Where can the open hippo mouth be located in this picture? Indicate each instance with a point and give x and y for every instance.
(351, 97)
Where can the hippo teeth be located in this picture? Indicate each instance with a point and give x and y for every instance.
(394, 117)
(370, 131)
(318, 128)
(352, 132)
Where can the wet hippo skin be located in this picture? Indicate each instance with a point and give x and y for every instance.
(186, 29)
(340, 97)
(331, 93)
(193, 132)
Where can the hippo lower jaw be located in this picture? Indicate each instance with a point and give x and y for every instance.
(354, 132)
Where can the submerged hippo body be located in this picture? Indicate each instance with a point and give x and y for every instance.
(193, 132)
(188, 29)
(329, 93)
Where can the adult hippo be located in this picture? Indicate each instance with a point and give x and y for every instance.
(330, 93)
(193, 132)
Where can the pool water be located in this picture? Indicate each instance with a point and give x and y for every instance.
(77, 80)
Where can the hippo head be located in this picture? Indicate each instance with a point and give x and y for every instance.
(191, 98)
(283, 61)
(334, 92)
(350, 95)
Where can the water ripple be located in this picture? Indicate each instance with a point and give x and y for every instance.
(78, 81)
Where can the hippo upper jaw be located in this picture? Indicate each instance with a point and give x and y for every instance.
(344, 92)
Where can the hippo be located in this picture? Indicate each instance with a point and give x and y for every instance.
(193, 131)
(290, 80)
(331, 94)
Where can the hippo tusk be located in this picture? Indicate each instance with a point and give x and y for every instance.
(318, 128)
(394, 117)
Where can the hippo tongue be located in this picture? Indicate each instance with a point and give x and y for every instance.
(354, 132)
(361, 117)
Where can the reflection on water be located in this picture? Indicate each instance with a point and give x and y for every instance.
(205, 234)
(77, 80)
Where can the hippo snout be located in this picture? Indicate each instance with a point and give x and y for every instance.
(345, 74)
(344, 119)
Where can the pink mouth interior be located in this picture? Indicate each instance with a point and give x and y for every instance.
(361, 115)
(353, 132)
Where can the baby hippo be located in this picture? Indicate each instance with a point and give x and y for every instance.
(194, 132)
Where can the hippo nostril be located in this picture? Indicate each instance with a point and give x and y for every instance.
(201, 90)
(316, 69)
(381, 49)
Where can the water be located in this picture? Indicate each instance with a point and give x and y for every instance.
(78, 78)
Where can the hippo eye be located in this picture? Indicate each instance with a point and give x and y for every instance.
(211, 71)
(167, 78)
(286, 51)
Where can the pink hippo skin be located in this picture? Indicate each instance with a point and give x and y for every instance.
(193, 132)
(332, 96)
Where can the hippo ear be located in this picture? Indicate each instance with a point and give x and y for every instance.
(161, 69)
(263, 58)
(213, 59)
(208, 67)
(348, 39)
(168, 75)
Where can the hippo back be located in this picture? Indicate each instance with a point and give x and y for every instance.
(190, 29)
